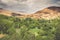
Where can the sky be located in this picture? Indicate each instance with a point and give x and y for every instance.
(27, 6)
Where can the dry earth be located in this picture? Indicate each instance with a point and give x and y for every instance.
(2, 35)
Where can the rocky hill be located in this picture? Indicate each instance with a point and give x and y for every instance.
(47, 13)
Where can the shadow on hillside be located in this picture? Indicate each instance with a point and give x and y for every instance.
(54, 8)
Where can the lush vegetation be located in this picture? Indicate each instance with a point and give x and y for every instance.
(29, 29)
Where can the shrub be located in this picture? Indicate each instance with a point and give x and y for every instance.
(29, 29)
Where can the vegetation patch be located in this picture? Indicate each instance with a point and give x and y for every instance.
(29, 29)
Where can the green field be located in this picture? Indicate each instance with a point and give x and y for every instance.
(29, 29)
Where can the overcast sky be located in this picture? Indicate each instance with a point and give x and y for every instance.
(27, 6)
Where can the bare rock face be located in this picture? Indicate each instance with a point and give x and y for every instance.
(47, 13)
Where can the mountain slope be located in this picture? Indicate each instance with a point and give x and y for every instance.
(47, 13)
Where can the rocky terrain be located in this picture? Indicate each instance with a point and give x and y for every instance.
(47, 13)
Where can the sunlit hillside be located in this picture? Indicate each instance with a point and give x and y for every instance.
(47, 13)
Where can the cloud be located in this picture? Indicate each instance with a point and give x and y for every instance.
(27, 6)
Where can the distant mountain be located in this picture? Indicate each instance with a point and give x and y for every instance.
(47, 13)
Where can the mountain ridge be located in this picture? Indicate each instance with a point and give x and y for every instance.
(47, 13)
